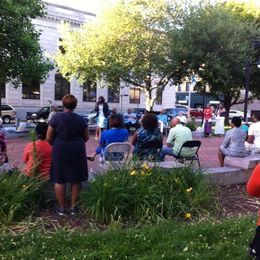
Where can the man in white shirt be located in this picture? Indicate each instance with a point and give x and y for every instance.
(182, 117)
(253, 138)
(130, 119)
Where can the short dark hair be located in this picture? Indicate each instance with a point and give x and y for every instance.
(150, 121)
(69, 102)
(102, 100)
(41, 130)
(257, 115)
(236, 121)
(115, 121)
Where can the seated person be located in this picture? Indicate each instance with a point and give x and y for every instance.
(37, 155)
(178, 135)
(130, 119)
(182, 117)
(147, 133)
(253, 138)
(114, 134)
(162, 120)
(234, 142)
(245, 127)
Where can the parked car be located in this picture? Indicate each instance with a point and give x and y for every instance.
(42, 114)
(173, 112)
(233, 113)
(8, 113)
(196, 112)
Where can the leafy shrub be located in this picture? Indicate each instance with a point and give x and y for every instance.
(146, 194)
(20, 196)
(191, 124)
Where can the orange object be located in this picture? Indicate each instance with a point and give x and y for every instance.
(208, 113)
(44, 150)
(253, 186)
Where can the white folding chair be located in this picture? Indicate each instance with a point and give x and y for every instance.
(120, 150)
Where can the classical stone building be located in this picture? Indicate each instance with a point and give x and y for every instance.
(37, 95)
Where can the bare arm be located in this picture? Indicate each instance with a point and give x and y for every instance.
(134, 139)
(50, 135)
(250, 139)
(86, 134)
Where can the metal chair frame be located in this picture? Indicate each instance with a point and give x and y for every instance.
(195, 157)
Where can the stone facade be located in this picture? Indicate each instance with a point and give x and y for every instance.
(49, 40)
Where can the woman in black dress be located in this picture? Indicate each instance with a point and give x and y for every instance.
(67, 133)
(102, 110)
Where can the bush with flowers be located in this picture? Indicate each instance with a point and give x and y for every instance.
(148, 195)
(20, 196)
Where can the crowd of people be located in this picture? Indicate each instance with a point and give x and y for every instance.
(59, 153)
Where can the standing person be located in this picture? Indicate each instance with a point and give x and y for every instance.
(67, 133)
(54, 111)
(234, 142)
(253, 189)
(102, 116)
(253, 138)
(3, 146)
(207, 120)
(178, 135)
(220, 111)
(39, 163)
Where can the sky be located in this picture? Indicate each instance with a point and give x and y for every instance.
(94, 6)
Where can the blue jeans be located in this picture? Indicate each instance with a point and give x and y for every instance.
(166, 151)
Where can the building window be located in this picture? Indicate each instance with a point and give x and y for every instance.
(2, 86)
(90, 91)
(113, 92)
(31, 90)
(159, 96)
(135, 95)
(62, 87)
(187, 86)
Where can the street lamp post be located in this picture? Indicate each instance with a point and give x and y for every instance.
(247, 81)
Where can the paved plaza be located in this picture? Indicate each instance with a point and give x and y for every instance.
(207, 153)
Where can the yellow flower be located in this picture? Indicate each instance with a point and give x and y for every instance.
(143, 173)
(133, 173)
(146, 166)
(189, 190)
(187, 215)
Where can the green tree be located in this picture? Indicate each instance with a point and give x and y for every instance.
(215, 41)
(130, 42)
(21, 58)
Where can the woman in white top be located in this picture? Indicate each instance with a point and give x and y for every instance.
(253, 138)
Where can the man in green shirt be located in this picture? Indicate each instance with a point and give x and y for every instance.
(178, 135)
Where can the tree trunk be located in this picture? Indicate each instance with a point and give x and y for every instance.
(149, 100)
(227, 106)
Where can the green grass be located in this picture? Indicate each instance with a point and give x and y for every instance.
(226, 240)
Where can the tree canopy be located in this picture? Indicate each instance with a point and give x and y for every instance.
(215, 41)
(21, 58)
(130, 42)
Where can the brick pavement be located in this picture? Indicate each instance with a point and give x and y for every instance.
(207, 153)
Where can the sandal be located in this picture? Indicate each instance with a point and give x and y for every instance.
(90, 158)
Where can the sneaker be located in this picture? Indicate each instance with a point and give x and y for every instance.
(61, 212)
(74, 211)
